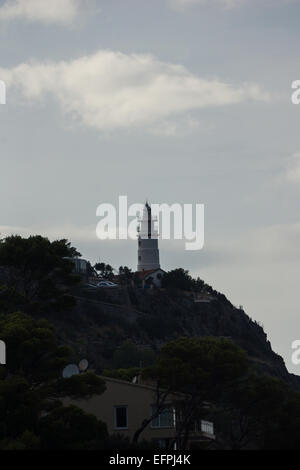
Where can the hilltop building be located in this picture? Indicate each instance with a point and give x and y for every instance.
(148, 269)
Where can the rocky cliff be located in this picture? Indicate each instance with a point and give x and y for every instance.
(103, 320)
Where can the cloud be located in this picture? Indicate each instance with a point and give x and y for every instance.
(45, 11)
(111, 90)
(223, 3)
(227, 4)
(293, 168)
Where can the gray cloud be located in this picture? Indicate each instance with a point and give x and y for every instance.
(44, 11)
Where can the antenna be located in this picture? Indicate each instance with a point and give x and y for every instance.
(69, 371)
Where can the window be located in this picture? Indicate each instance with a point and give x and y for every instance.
(160, 443)
(164, 420)
(204, 426)
(121, 417)
(207, 427)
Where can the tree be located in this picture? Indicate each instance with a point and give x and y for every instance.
(251, 411)
(70, 428)
(31, 383)
(129, 355)
(178, 279)
(160, 405)
(37, 268)
(206, 363)
(125, 275)
(105, 271)
(262, 412)
(198, 369)
(31, 348)
(181, 279)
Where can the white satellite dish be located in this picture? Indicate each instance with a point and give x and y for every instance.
(70, 370)
(83, 365)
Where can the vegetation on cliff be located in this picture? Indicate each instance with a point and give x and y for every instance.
(186, 336)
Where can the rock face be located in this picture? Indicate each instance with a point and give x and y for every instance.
(103, 320)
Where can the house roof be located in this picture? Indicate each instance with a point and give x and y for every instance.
(141, 386)
(144, 274)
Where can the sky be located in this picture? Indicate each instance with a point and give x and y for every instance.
(177, 101)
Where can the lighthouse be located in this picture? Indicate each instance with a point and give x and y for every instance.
(148, 253)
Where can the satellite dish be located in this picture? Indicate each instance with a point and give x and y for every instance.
(83, 365)
(70, 370)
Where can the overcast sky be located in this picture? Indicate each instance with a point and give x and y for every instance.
(183, 101)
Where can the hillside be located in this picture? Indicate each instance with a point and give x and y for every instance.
(123, 326)
(103, 320)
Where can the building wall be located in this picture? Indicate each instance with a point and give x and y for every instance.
(137, 398)
(148, 254)
(156, 277)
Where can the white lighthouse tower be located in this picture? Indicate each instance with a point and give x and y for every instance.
(148, 253)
